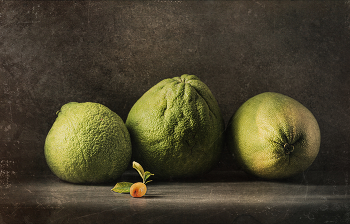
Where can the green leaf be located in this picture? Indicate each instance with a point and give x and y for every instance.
(147, 175)
(122, 187)
(139, 169)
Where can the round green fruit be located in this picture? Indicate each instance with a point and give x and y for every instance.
(176, 128)
(273, 136)
(88, 143)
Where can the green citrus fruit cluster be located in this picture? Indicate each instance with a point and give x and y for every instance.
(176, 130)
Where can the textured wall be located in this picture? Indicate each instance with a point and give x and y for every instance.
(111, 52)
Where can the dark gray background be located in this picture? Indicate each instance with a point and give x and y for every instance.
(52, 53)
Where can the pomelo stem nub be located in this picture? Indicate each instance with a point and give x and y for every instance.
(288, 148)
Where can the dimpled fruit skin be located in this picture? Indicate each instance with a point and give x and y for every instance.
(259, 130)
(176, 128)
(88, 143)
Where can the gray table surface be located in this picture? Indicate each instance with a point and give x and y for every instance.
(219, 197)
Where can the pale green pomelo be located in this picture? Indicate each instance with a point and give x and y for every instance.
(88, 143)
(176, 128)
(273, 136)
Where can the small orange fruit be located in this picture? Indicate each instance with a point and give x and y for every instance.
(138, 189)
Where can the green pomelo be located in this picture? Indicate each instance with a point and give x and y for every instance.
(176, 128)
(273, 136)
(88, 143)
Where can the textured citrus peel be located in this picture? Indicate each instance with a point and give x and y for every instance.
(177, 128)
(82, 149)
(124, 187)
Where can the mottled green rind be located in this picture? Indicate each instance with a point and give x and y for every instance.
(88, 143)
(257, 132)
(176, 128)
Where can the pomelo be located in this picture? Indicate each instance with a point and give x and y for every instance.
(273, 136)
(176, 128)
(88, 143)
